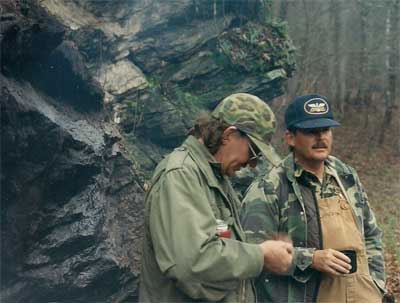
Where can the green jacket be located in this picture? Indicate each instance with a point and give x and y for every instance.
(183, 257)
(275, 203)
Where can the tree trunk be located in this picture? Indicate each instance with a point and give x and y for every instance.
(337, 57)
(283, 11)
(362, 96)
(304, 50)
(392, 68)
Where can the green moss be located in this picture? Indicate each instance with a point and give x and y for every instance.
(153, 83)
(256, 48)
(189, 104)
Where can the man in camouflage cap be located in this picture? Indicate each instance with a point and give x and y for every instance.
(320, 203)
(253, 117)
(193, 246)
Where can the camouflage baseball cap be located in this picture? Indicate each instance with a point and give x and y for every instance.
(252, 116)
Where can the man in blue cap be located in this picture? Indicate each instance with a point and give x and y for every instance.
(320, 203)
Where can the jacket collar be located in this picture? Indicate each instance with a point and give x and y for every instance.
(294, 170)
(289, 167)
(211, 170)
(205, 161)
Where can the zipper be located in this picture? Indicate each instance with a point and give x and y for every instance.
(243, 292)
(253, 287)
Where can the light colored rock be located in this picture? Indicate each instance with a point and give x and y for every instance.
(117, 112)
(276, 73)
(120, 77)
(108, 98)
(122, 20)
(69, 14)
(76, 16)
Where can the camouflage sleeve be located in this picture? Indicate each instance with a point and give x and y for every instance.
(373, 240)
(260, 212)
(301, 267)
(260, 219)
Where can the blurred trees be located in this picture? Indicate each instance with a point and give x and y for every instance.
(349, 51)
(392, 68)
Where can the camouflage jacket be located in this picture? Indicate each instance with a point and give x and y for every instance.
(184, 259)
(276, 203)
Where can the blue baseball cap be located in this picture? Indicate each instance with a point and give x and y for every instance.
(310, 111)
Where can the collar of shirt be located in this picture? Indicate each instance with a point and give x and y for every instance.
(217, 169)
(202, 152)
(299, 170)
(309, 179)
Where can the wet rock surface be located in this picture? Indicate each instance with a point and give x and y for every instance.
(71, 206)
(93, 94)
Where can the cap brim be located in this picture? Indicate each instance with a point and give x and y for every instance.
(267, 150)
(317, 123)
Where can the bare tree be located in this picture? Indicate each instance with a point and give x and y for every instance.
(349, 51)
(362, 94)
(337, 57)
(283, 10)
(392, 69)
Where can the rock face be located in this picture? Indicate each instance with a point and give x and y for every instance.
(93, 93)
(71, 206)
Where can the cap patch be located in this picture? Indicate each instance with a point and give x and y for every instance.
(316, 106)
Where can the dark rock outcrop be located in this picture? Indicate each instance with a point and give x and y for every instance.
(93, 93)
(71, 205)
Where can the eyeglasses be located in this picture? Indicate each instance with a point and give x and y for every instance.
(254, 156)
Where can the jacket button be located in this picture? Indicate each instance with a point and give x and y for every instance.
(266, 280)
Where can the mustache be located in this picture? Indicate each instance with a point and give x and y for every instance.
(320, 144)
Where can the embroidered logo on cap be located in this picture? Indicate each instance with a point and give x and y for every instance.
(316, 106)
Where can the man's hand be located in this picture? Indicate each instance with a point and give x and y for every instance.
(331, 261)
(278, 256)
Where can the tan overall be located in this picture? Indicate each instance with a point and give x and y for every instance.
(340, 232)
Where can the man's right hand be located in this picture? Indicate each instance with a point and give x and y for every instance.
(278, 256)
(331, 261)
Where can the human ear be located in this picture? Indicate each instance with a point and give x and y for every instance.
(226, 135)
(289, 138)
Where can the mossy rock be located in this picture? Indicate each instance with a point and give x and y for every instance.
(257, 48)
